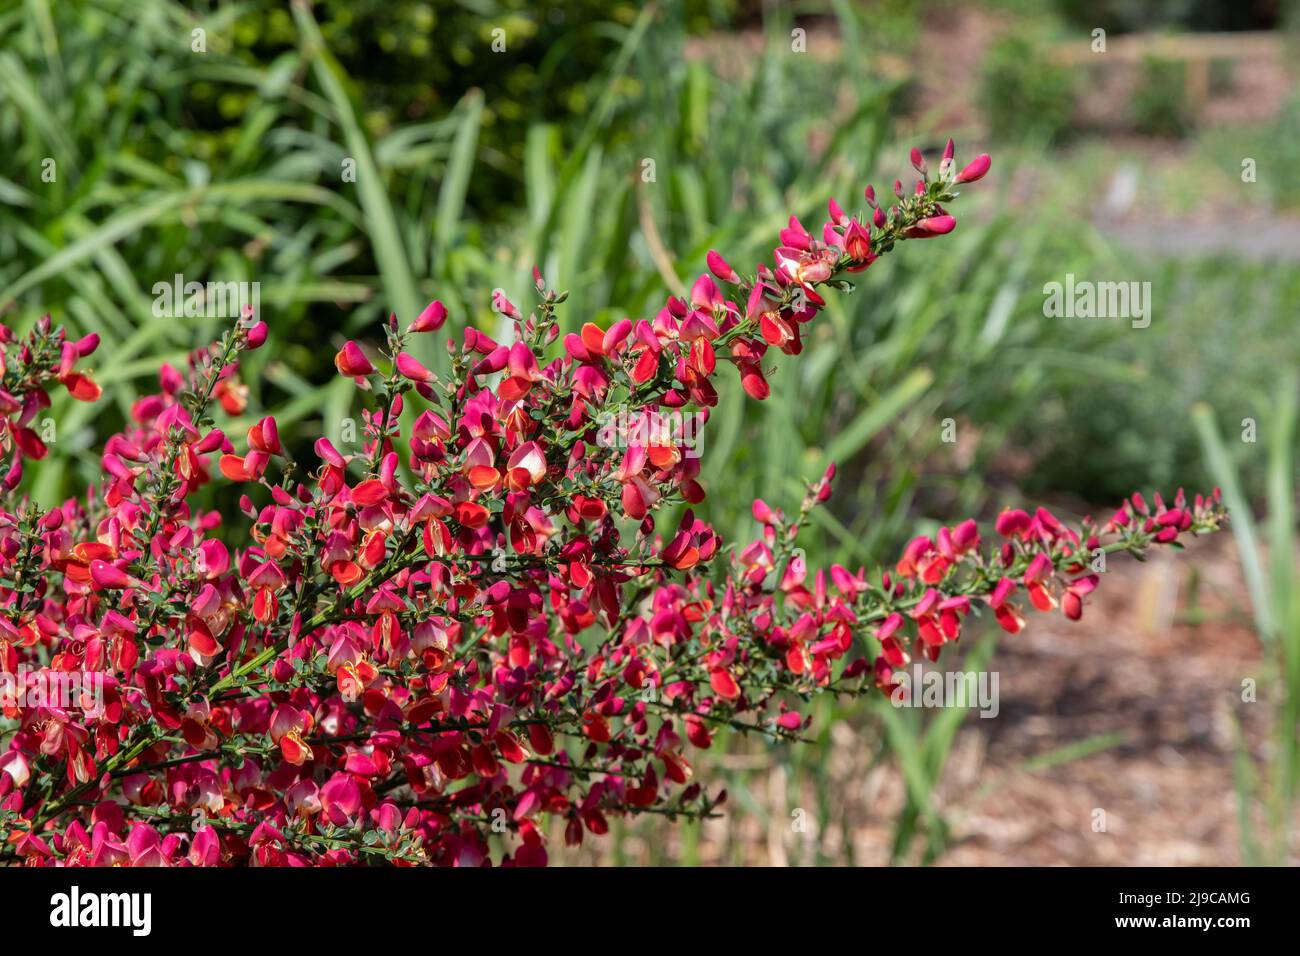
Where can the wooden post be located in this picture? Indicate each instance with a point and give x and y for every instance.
(1197, 82)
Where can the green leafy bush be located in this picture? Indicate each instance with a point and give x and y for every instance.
(1280, 155)
(1022, 93)
(1220, 333)
(1160, 105)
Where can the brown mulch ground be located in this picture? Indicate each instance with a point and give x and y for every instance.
(1171, 692)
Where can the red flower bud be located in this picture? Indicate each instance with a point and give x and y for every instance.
(256, 337)
(975, 170)
(431, 319)
(410, 368)
(352, 362)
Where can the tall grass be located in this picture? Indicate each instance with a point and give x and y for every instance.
(1266, 787)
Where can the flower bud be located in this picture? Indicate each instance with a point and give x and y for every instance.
(256, 336)
(504, 306)
(431, 319)
(720, 268)
(409, 367)
(352, 362)
(945, 165)
(975, 170)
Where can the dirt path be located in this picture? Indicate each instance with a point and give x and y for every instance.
(1272, 239)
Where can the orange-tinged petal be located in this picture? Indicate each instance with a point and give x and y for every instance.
(723, 684)
(484, 476)
(370, 492)
(232, 466)
(82, 387)
(593, 337)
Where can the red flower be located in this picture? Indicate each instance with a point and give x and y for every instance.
(351, 361)
(975, 170)
(431, 319)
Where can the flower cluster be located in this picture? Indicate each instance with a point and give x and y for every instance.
(43, 357)
(468, 633)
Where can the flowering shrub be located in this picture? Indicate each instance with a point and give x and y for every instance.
(455, 634)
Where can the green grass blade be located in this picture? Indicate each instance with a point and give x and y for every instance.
(1242, 521)
(451, 195)
(878, 415)
(381, 224)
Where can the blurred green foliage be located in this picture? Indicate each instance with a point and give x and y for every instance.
(412, 62)
(1281, 143)
(1023, 94)
(1275, 148)
(1221, 333)
(1267, 785)
(1160, 106)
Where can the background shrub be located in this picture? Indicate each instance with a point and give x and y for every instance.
(1159, 103)
(1024, 94)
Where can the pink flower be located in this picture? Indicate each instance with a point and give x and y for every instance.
(504, 306)
(975, 170)
(352, 362)
(431, 319)
(932, 226)
(720, 268)
(529, 459)
(256, 336)
(109, 576)
(1078, 589)
(409, 367)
